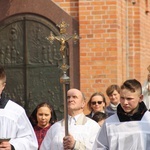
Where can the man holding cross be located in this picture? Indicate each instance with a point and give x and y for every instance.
(82, 130)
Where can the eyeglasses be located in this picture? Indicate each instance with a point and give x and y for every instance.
(98, 102)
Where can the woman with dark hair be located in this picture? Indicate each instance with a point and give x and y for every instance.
(96, 103)
(42, 118)
(99, 117)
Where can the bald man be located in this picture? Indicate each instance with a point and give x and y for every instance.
(82, 130)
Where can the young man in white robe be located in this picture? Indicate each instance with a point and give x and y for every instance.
(16, 132)
(129, 128)
(82, 130)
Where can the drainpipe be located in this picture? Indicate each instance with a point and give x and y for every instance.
(127, 41)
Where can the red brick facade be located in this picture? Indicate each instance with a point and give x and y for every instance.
(115, 42)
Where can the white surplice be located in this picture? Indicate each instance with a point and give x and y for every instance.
(130, 135)
(14, 124)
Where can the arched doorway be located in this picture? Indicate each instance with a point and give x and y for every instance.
(31, 61)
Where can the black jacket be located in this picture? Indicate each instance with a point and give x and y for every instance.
(123, 116)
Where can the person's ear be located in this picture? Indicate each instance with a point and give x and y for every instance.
(4, 84)
(141, 98)
(83, 104)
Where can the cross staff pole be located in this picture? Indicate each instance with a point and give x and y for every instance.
(64, 79)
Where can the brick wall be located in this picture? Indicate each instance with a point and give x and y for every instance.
(115, 42)
(70, 6)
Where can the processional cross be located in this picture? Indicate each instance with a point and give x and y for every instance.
(64, 79)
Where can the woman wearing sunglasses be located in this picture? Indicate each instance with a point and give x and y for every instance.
(96, 103)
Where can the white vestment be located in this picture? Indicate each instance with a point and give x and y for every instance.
(146, 94)
(130, 135)
(84, 132)
(14, 124)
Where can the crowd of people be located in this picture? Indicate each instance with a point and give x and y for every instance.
(121, 122)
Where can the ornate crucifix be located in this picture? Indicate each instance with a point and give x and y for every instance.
(65, 80)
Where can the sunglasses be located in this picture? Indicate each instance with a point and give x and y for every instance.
(98, 102)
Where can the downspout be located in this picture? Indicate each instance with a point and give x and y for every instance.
(127, 41)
